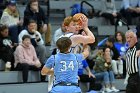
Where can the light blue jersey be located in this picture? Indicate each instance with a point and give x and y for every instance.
(65, 70)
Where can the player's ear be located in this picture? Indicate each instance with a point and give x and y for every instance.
(67, 28)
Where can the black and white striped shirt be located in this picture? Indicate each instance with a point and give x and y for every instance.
(132, 59)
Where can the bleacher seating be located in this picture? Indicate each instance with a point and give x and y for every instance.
(2, 65)
(16, 77)
(24, 88)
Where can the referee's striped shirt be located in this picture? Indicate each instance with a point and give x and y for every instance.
(132, 60)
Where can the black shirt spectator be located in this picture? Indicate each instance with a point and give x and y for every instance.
(110, 43)
(38, 16)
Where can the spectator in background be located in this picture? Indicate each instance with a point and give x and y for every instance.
(2, 6)
(120, 42)
(117, 63)
(130, 9)
(11, 18)
(35, 12)
(103, 70)
(26, 58)
(36, 40)
(59, 32)
(110, 12)
(121, 46)
(6, 46)
(90, 78)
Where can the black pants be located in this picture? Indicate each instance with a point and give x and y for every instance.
(111, 18)
(124, 68)
(24, 67)
(91, 80)
(8, 55)
(129, 15)
(133, 85)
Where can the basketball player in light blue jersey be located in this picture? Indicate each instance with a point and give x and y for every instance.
(65, 66)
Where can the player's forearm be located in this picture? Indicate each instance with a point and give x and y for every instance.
(51, 72)
(46, 71)
(85, 51)
(90, 34)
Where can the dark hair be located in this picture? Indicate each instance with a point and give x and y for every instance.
(3, 27)
(10, 2)
(25, 36)
(63, 44)
(104, 48)
(108, 0)
(31, 1)
(31, 21)
(111, 39)
(122, 34)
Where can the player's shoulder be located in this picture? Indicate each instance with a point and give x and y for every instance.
(52, 57)
(68, 35)
(80, 56)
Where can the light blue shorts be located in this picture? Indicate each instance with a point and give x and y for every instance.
(66, 89)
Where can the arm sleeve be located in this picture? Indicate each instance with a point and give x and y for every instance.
(44, 18)
(20, 36)
(27, 17)
(50, 62)
(85, 64)
(2, 47)
(34, 55)
(80, 57)
(126, 4)
(114, 7)
(139, 3)
(41, 42)
(5, 19)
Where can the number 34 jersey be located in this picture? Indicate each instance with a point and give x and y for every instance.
(65, 67)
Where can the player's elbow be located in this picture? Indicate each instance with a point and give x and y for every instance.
(44, 71)
(91, 40)
(86, 54)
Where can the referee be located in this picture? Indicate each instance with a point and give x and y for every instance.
(132, 68)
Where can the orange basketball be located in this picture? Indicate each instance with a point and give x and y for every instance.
(77, 17)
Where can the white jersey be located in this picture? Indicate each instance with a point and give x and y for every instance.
(75, 48)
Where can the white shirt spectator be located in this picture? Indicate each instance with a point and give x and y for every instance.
(25, 32)
(130, 3)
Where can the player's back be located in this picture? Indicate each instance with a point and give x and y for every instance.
(66, 68)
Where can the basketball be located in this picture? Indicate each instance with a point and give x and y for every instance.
(78, 18)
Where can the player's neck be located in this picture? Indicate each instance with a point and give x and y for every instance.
(66, 52)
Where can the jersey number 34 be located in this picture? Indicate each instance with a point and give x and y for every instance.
(66, 66)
